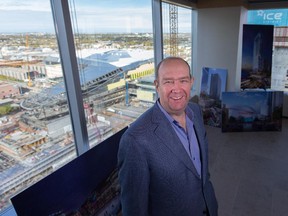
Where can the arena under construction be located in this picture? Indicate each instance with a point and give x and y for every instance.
(106, 90)
(100, 88)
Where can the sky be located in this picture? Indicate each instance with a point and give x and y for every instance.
(21, 16)
(92, 16)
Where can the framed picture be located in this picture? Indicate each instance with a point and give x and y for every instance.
(213, 83)
(256, 56)
(252, 111)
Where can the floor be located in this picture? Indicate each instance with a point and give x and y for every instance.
(249, 171)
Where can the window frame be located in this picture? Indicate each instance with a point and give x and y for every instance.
(64, 34)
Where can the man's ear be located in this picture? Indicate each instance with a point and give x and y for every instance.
(192, 80)
(156, 84)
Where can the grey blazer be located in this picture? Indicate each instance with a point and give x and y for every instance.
(156, 175)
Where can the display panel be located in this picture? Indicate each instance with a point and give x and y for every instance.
(252, 111)
(213, 83)
(257, 56)
(87, 185)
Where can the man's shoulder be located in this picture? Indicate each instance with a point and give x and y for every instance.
(141, 128)
(194, 106)
(143, 120)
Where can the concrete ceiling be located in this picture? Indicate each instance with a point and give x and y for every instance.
(250, 4)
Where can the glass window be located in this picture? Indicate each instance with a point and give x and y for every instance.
(177, 31)
(115, 58)
(35, 128)
(114, 48)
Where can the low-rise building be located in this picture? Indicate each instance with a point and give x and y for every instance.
(8, 90)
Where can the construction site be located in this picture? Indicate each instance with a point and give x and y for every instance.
(39, 138)
(117, 87)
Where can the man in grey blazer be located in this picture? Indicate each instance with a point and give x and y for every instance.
(163, 155)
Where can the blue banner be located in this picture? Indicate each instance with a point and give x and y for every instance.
(276, 17)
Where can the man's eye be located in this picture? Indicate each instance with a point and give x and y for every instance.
(168, 81)
(184, 81)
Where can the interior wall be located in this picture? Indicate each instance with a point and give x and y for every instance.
(219, 43)
(250, 4)
(220, 3)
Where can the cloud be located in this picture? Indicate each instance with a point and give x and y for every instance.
(92, 17)
(26, 21)
(118, 19)
(27, 5)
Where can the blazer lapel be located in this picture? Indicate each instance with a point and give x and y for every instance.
(201, 144)
(169, 138)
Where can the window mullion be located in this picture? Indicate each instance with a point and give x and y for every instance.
(63, 28)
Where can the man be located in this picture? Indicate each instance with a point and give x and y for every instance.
(163, 155)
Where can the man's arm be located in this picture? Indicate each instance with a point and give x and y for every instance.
(133, 177)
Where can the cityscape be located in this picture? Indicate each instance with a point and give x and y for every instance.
(116, 74)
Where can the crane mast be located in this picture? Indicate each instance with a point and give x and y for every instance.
(173, 17)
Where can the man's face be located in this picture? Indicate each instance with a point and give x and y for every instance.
(173, 86)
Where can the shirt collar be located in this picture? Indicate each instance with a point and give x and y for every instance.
(188, 111)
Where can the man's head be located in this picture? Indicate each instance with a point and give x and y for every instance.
(173, 84)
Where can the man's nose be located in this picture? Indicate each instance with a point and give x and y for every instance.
(176, 87)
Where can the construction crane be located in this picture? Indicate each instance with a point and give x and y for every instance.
(30, 83)
(173, 18)
(17, 63)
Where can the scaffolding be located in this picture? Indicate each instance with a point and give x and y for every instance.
(173, 17)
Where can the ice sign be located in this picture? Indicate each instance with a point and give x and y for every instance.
(276, 17)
